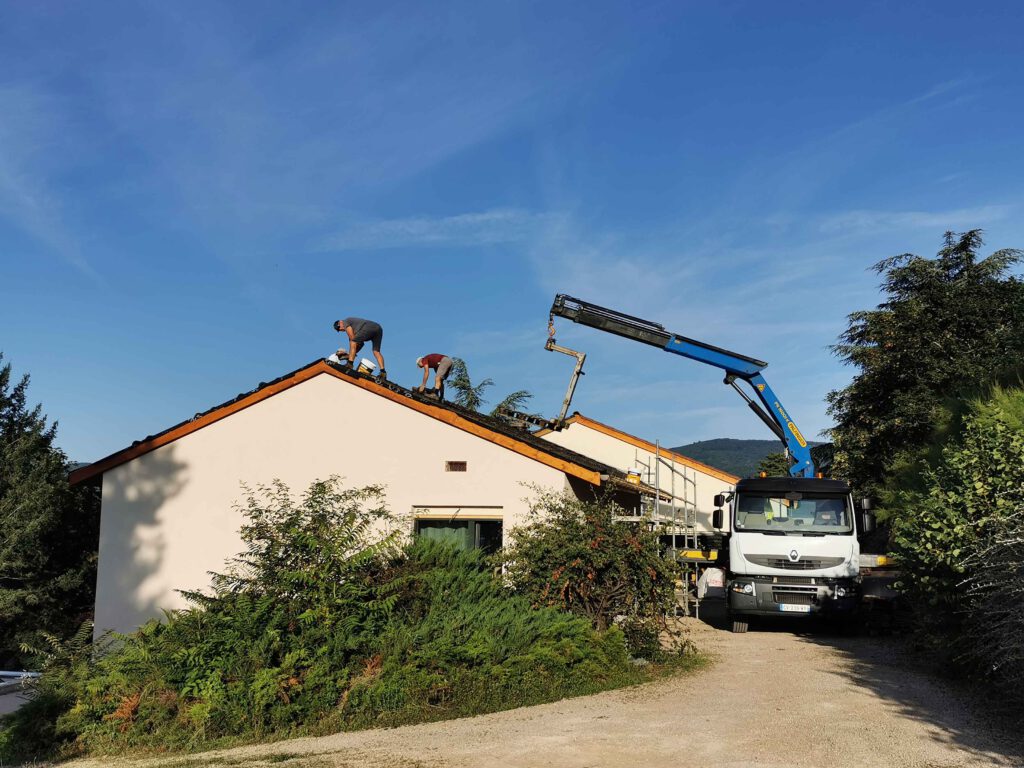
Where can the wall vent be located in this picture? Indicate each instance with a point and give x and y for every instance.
(455, 466)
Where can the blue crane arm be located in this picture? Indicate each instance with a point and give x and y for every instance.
(735, 365)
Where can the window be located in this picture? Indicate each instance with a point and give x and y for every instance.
(464, 534)
(455, 466)
(811, 514)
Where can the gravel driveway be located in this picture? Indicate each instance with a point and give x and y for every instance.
(773, 698)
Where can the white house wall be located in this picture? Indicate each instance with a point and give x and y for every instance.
(623, 455)
(168, 516)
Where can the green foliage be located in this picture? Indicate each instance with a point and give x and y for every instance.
(960, 541)
(48, 531)
(774, 465)
(514, 401)
(572, 555)
(947, 325)
(471, 396)
(467, 394)
(321, 624)
(65, 666)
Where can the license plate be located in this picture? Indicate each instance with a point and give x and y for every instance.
(795, 608)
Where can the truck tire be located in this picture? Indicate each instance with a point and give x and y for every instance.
(739, 626)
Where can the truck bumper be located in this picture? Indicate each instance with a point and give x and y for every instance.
(782, 596)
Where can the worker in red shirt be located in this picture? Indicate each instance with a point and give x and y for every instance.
(442, 364)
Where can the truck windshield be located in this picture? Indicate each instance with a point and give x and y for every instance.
(813, 513)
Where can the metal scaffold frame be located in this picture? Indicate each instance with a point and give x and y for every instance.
(679, 521)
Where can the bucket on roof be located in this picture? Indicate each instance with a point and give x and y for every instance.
(366, 366)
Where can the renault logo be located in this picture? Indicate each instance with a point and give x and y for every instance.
(794, 556)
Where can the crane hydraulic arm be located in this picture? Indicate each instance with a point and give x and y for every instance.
(736, 366)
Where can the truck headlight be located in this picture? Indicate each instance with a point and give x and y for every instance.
(840, 591)
(745, 588)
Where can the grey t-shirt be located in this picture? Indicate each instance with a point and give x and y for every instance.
(362, 330)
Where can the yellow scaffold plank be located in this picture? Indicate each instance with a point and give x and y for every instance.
(697, 555)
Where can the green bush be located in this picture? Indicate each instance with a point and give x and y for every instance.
(323, 623)
(958, 539)
(574, 556)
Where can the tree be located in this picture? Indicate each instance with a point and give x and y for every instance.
(961, 551)
(573, 555)
(467, 394)
(947, 325)
(48, 531)
(512, 402)
(471, 396)
(774, 465)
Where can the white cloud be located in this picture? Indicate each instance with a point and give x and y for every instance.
(492, 227)
(29, 130)
(868, 220)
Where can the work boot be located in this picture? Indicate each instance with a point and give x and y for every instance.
(383, 375)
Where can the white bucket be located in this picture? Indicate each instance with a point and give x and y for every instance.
(366, 366)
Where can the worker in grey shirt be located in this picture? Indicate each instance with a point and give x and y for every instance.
(359, 331)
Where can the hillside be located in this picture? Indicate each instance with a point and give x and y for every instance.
(740, 457)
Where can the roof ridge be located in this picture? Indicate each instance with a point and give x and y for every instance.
(577, 464)
(695, 463)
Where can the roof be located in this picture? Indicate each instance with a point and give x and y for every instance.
(486, 427)
(578, 418)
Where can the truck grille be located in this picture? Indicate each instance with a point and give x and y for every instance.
(795, 598)
(803, 564)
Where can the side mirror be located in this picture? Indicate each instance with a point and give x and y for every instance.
(719, 499)
(867, 521)
(716, 519)
(866, 504)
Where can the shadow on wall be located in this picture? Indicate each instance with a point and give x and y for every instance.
(132, 543)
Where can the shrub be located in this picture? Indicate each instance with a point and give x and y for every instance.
(959, 540)
(322, 623)
(574, 556)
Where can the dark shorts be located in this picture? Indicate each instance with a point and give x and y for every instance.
(373, 335)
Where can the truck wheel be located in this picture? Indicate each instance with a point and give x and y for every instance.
(739, 626)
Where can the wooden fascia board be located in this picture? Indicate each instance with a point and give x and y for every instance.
(639, 443)
(453, 419)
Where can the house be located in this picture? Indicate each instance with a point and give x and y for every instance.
(690, 484)
(168, 501)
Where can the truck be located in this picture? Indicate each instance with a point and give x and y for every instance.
(788, 545)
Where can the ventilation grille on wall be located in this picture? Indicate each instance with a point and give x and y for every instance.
(455, 466)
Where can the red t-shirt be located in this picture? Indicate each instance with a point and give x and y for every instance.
(432, 361)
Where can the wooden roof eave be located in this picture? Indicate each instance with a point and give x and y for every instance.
(83, 474)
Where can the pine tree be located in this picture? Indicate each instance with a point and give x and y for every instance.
(48, 530)
(947, 326)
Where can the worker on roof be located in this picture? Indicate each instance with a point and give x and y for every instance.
(359, 331)
(441, 364)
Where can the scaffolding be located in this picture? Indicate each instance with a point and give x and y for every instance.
(672, 512)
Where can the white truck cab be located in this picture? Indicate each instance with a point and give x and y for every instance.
(792, 548)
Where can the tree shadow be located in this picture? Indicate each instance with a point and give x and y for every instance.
(954, 713)
(132, 544)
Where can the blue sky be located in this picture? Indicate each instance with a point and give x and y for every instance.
(190, 193)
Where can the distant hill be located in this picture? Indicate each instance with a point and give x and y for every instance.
(740, 457)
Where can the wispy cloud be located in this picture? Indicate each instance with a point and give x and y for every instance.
(868, 220)
(499, 225)
(28, 129)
